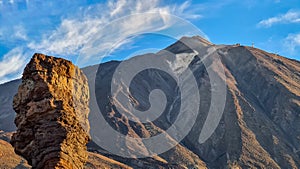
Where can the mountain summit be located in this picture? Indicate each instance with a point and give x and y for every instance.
(259, 127)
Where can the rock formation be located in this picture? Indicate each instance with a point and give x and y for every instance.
(260, 126)
(52, 114)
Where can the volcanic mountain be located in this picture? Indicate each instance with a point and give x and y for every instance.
(259, 123)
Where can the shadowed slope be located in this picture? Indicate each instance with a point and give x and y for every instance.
(260, 126)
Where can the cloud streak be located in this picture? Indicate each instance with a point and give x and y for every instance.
(101, 27)
(292, 42)
(12, 64)
(85, 30)
(289, 17)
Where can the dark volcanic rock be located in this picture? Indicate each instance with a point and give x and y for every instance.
(261, 120)
(260, 126)
(7, 113)
(52, 114)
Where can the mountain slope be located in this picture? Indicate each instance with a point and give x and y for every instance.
(260, 125)
(7, 113)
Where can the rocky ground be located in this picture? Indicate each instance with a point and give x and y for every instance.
(260, 126)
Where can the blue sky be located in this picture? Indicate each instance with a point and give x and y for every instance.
(84, 31)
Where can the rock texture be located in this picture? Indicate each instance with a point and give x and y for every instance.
(8, 159)
(52, 114)
(259, 127)
(261, 121)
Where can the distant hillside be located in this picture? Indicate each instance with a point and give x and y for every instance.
(260, 126)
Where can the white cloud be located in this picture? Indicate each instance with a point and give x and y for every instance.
(101, 27)
(13, 34)
(88, 32)
(20, 33)
(292, 42)
(289, 17)
(12, 64)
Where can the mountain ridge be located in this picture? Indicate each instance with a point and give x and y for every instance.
(260, 126)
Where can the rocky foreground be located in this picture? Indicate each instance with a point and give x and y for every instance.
(52, 114)
(260, 126)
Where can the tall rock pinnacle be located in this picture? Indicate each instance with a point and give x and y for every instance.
(52, 114)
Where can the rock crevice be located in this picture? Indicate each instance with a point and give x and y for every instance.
(52, 114)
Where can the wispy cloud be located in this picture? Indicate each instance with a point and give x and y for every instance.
(289, 17)
(23, 19)
(101, 26)
(292, 43)
(13, 35)
(87, 30)
(12, 64)
(20, 33)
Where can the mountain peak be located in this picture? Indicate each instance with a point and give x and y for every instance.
(259, 127)
(196, 38)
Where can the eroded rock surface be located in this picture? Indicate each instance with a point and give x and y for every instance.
(260, 126)
(52, 114)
